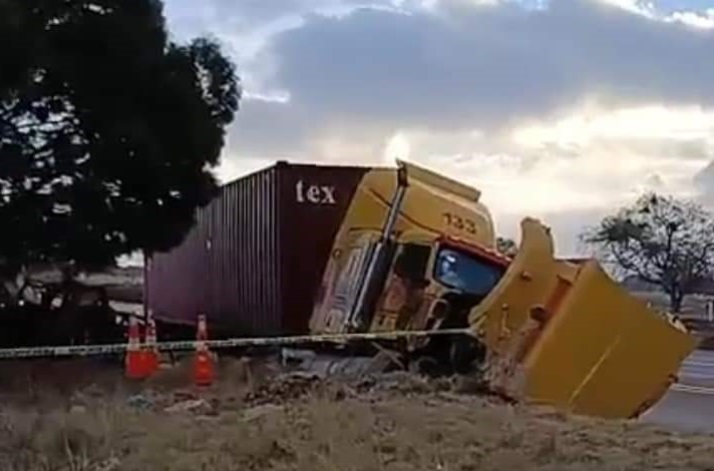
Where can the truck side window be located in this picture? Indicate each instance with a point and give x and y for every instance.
(412, 261)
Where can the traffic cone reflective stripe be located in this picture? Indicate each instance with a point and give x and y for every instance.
(203, 367)
(204, 371)
(202, 330)
(134, 364)
(151, 352)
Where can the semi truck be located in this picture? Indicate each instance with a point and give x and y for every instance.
(416, 250)
(300, 248)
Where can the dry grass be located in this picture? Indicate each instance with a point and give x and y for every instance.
(249, 422)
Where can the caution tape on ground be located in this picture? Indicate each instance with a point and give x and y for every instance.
(105, 349)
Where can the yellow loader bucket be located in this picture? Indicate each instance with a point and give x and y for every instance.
(569, 336)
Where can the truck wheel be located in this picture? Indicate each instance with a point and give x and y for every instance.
(424, 365)
(463, 353)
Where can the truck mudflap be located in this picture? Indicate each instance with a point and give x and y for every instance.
(569, 336)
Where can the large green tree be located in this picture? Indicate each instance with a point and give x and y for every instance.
(108, 130)
(662, 240)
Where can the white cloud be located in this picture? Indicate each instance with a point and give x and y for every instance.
(397, 148)
(561, 109)
(587, 161)
(558, 183)
(276, 96)
(460, 68)
(639, 7)
(703, 20)
(231, 169)
(679, 124)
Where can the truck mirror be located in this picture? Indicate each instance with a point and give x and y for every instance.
(402, 179)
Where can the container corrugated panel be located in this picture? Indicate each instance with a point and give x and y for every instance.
(245, 256)
(228, 266)
(254, 260)
(166, 292)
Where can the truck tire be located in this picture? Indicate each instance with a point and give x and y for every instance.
(464, 353)
(424, 365)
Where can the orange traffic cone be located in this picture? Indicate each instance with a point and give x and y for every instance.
(150, 351)
(203, 369)
(134, 366)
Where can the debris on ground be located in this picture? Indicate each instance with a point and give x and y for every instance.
(256, 412)
(198, 406)
(286, 387)
(139, 402)
(186, 406)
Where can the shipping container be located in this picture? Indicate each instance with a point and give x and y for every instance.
(253, 261)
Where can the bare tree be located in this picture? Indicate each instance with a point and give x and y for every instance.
(660, 239)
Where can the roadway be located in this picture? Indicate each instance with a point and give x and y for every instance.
(689, 405)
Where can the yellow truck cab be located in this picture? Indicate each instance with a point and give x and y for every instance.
(416, 251)
(437, 262)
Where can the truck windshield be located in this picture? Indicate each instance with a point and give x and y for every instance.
(466, 272)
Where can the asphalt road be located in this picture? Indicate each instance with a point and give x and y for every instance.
(689, 405)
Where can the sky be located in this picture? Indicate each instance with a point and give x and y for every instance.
(560, 109)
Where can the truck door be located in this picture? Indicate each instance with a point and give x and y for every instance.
(404, 289)
(340, 284)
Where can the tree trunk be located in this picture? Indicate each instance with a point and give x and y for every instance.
(675, 300)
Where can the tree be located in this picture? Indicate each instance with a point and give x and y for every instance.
(506, 246)
(109, 131)
(660, 239)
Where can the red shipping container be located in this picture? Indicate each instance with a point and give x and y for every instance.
(254, 260)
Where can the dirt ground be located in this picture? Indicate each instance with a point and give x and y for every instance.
(79, 416)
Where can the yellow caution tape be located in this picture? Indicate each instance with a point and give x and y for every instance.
(103, 349)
